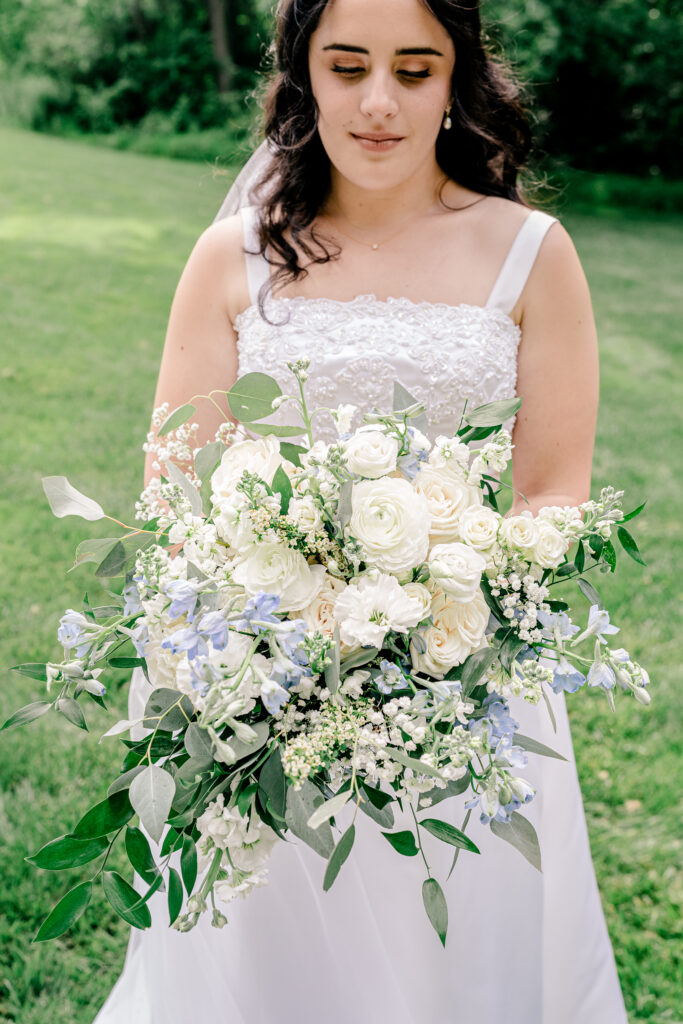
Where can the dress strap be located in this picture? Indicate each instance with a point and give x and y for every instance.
(258, 268)
(519, 261)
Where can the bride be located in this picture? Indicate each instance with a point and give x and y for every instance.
(385, 237)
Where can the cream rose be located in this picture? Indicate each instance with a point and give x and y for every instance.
(519, 532)
(550, 547)
(457, 632)
(420, 592)
(278, 569)
(371, 453)
(319, 614)
(457, 569)
(448, 496)
(391, 522)
(479, 528)
(261, 457)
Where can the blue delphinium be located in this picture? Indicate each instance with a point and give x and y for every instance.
(566, 677)
(258, 615)
(183, 594)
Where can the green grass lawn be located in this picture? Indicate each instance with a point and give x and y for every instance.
(91, 246)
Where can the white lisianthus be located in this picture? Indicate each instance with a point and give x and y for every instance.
(520, 532)
(390, 520)
(279, 569)
(550, 547)
(261, 457)
(371, 453)
(421, 594)
(457, 632)
(457, 568)
(371, 606)
(479, 528)
(448, 496)
(343, 417)
(305, 514)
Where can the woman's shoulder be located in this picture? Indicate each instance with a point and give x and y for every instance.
(218, 258)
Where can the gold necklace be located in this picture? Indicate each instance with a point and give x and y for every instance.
(374, 246)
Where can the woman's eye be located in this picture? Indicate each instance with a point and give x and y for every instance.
(347, 71)
(415, 74)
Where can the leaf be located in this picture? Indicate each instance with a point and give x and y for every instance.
(123, 897)
(580, 557)
(163, 710)
(384, 815)
(609, 554)
(208, 458)
(629, 545)
(332, 670)
(126, 662)
(197, 741)
(176, 419)
(251, 397)
(177, 477)
(338, 856)
(589, 592)
(403, 842)
(436, 907)
(522, 835)
(534, 747)
(493, 414)
(402, 398)
(244, 798)
(72, 711)
(329, 809)
(65, 913)
(377, 797)
(344, 506)
(65, 500)
(412, 762)
(509, 650)
(140, 854)
(273, 782)
(124, 781)
(151, 794)
(292, 452)
(275, 429)
(475, 667)
(105, 817)
(26, 714)
(632, 515)
(188, 863)
(282, 485)
(32, 669)
(362, 657)
(448, 834)
(67, 852)
(243, 749)
(114, 562)
(454, 788)
(93, 550)
(299, 808)
(123, 725)
(175, 895)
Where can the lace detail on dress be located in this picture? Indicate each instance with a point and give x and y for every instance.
(444, 355)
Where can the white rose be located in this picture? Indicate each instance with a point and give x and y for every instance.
(319, 614)
(391, 522)
(458, 569)
(261, 457)
(419, 592)
(479, 528)
(371, 606)
(550, 547)
(457, 632)
(520, 532)
(278, 569)
(448, 496)
(371, 453)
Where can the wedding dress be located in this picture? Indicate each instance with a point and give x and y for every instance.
(523, 947)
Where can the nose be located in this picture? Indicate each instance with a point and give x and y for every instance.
(379, 97)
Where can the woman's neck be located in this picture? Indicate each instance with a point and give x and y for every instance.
(375, 208)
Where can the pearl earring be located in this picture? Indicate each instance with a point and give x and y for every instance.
(448, 124)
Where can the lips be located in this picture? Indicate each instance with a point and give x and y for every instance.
(377, 136)
(376, 142)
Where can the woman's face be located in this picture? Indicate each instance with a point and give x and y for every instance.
(381, 77)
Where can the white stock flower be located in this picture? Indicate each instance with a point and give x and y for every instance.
(261, 457)
(343, 417)
(457, 632)
(305, 514)
(550, 547)
(457, 568)
(279, 569)
(372, 605)
(520, 532)
(448, 496)
(479, 528)
(371, 453)
(391, 522)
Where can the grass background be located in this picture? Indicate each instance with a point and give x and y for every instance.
(92, 243)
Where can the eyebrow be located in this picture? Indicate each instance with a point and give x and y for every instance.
(411, 51)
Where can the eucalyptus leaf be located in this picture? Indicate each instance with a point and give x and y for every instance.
(493, 414)
(207, 459)
(251, 397)
(329, 809)
(521, 834)
(243, 749)
(344, 507)
(72, 711)
(412, 762)
(589, 592)
(124, 781)
(163, 710)
(475, 667)
(402, 398)
(151, 794)
(197, 741)
(65, 913)
(123, 898)
(177, 477)
(384, 816)
(362, 657)
(436, 907)
(26, 714)
(300, 806)
(448, 834)
(534, 747)
(277, 430)
(454, 788)
(32, 669)
(67, 852)
(65, 500)
(93, 550)
(273, 782)
(176, 419)
(188, 864)
(338, 856)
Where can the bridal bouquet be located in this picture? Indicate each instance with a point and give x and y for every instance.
(322, 624)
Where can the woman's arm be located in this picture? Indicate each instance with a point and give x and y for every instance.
(200, 353)
(557, 381)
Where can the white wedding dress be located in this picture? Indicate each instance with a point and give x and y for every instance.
(523, 947)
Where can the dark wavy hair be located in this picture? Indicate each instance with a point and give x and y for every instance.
(485, 149)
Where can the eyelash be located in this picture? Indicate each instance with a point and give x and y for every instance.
(353, 72)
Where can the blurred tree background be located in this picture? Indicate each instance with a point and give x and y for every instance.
(603, 76)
